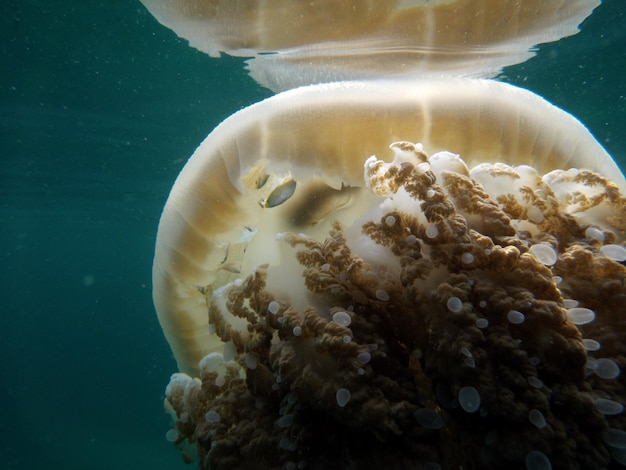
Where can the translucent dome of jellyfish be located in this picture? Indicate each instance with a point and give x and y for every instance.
(293, 43)
(406, 274)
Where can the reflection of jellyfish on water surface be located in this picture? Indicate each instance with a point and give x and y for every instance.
(413, 309)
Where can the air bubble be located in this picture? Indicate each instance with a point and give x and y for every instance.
(347, 338)
(431, 231)
(325, 267)
(482, 323)
(534, 382)
(454, 304)
(382, 295)
(411, 240)
(580, 315)
(482, 303)
(342, 318)
(390, 220)
(515, 317)
(545, 254)
(606, 368)
(297, 330)
(428, 418)
(614, 252)
(536, 418)
(343, 397)
(469, 399)
(430, 193)
(273, 307)
(609, 407)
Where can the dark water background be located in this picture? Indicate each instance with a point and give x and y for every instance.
(100, 107)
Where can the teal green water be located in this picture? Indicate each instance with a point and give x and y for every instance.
(100, 107)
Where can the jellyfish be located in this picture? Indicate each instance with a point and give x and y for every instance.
(394, 273)
(447, 278)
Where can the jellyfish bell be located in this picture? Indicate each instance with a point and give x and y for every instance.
(299, 43)
(213, 228)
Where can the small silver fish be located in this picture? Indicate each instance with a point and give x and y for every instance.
(279, 194)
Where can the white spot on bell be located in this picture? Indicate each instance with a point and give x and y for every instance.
(343, 397)
(606, 368)
(454, 304)
(431, 231)
(580, 315)
(536, 418)
(428, 418)
(537, 460)
(467, 258)
(544, 253)
(515, 317)
(609, 407)
(594, 233)
(382, 295)
(469, 399)
(342, 318)
(591, 344)
(614, 252)
(535, 215)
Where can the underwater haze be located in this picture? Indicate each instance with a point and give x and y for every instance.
(100, 107)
